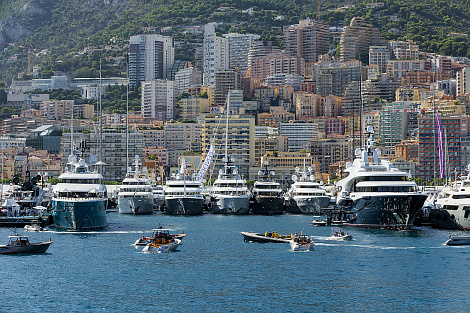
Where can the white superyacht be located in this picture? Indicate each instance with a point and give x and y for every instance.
(229, 194)
(306, 195)
(135, 195)
(454, 201)
(183, 194)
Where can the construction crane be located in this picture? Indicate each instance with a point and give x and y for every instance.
(29, 53)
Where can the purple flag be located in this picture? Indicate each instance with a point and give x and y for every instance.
(439, 134)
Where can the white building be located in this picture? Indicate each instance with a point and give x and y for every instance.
(186, 78)
(239, 47)
(463, 81)
(93, 92)
(216, 54)
(379, 55)
(299, 134)
(150, 57)
(159, 99)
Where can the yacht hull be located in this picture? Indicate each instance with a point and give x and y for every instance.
(231, 205)
(268, 205)
(135, 205)
(386, 211)
(184, 206)
(79, 215)
(307, 205)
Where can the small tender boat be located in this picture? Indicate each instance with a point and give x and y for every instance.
(267, 237)
(162, 246)
(162, 242)
(20, 244)
(340, 235)
(145, 240)
(318, 221)
(302, 243)
(33, 227)
(458, 241)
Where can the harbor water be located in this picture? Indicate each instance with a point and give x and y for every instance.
(215, 271)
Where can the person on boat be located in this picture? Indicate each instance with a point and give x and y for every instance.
(266, 234)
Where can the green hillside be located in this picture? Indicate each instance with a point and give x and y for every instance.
(66, 27)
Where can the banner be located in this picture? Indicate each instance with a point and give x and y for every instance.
(206, 163)
(441, 158)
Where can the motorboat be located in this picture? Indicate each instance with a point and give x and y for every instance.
(267, 194)
(273, 237)
(79, 199)
(145, 240)
(339, 235)
(135, 196)
(318, 221)
(162, 242)
(458, 241)
(302, 243)
(306, 195)
(33, 227)
(453, 203)
(376, 193)
(183, 193)
(20, 244)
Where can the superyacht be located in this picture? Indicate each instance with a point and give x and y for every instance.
(454, 202)
(229, 194)
(267, 194)
(79, 199)
(135, 196)
(306, 195)
(183, 194)
(376, 193)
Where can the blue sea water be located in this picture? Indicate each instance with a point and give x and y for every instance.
(215, 271)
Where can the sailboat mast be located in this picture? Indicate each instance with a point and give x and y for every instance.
(100, 128)
(71, 132)
(226, 127)
(127, 116)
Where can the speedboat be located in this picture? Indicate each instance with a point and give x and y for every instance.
(302, 243)
(145, 240)
(267, 237)
(20, 244)
(162, 243)
(458, 241)
(33, 227)
(340, 235)
(376, 194)
(318, 221)
(135, 196)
